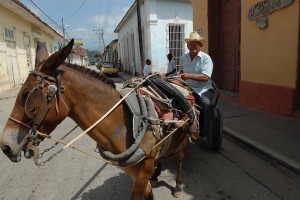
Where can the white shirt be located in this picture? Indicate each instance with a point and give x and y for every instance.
(171, 67)
(201, 64)
(147, 70)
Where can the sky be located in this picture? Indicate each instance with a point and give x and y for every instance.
(81, 18)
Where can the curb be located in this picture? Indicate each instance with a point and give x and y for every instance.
(255, 147)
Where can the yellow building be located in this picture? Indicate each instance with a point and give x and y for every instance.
(20, 30)
(255, 49)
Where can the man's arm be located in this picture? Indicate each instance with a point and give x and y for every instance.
(204, 76)
(173, 71)
(196, 77)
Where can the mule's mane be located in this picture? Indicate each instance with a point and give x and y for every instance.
(92, 74)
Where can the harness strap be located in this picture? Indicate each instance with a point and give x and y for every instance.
(19, 122)
(103, 117)
(44, 76)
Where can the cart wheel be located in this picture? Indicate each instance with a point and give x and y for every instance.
(214, 139)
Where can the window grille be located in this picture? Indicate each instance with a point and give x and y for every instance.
(9, 34)
(175, 41)
(50, 48)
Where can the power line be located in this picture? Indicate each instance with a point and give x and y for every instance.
(44, 13)
(76, 10)
(65, 32)
(108, 2)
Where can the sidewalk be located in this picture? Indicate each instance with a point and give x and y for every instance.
(275, 137)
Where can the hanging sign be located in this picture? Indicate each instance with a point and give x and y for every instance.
(78, 42)
(265, 7)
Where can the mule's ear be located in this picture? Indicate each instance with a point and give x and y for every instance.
(41, 53)
(55, 60)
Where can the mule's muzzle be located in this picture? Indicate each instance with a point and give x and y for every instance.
(8, 152)
(6, 149)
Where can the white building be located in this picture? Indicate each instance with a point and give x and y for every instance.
(165, 24)
(20, 29)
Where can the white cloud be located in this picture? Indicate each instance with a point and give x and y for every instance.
(78, 33)
(81, 29)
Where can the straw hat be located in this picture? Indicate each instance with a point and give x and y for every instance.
(194, 37)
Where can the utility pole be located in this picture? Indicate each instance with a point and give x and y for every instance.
(138, 8)
(100, 33)
(63, 29)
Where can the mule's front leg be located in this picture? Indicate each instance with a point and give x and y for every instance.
(154, 177)
(181, 153)
(177, 190)
(141, 184)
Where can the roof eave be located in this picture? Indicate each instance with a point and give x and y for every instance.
(31, 17)
(128, 14)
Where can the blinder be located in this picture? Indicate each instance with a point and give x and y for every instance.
(38, 102)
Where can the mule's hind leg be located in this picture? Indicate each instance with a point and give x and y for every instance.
(181, 153)
(157, 171)
(141, 185)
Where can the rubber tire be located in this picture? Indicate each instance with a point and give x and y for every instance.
(214, 140)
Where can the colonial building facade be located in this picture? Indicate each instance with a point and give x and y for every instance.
(255, 49)
(20, 30)
(165, 24)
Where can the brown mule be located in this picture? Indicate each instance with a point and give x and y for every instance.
(55, 90)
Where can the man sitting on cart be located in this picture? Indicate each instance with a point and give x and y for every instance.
(196, 68)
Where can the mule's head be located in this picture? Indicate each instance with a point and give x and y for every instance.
(38, 106)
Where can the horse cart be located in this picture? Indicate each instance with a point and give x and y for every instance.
(214, 139)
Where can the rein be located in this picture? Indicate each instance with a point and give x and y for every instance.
(34, 148)
(52, 91)
(104, 116)
(33, 126)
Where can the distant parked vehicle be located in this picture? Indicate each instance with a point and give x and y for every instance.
(92, 62)
(109, 69)
(99, 65)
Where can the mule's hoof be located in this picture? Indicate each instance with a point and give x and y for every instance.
(176, 194)
(154, 183)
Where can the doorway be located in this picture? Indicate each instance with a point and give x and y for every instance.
(297, 98)
(224, 29)
(13, 70)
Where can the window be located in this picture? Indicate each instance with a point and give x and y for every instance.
(27, 47)
(9, 34)
(175, 41)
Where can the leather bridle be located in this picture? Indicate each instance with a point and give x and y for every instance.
(38, 102)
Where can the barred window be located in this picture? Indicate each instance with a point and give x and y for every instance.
(9, 34)
(175, 41)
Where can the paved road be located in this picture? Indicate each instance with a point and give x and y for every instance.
(231, 174)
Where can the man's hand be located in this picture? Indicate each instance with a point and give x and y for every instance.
(184, 76)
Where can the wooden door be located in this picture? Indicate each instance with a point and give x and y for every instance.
(214, 32)
(297, 98)
(13, 70)
(224, 42)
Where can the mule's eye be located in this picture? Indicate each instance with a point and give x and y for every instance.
(25, 95)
